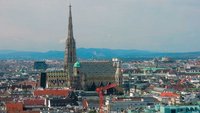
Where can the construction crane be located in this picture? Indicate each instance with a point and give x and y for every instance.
(100, 90)
(85, 104)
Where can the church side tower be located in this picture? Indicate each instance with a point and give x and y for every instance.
(70, 47)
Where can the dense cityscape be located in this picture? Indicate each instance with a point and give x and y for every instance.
(158, 85)
(73, 85)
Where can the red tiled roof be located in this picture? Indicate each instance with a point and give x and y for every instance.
(14, 106)
(34, 102)
(52, 92)
(169, 94)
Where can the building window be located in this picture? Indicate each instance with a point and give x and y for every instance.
(173, 111)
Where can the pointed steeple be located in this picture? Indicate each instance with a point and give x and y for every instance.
(70, 25)
(70, 47)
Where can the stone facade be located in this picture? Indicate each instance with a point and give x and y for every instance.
(57, 79)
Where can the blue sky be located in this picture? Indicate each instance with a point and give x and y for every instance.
(156, 25)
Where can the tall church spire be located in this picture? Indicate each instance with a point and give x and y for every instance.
(70, 26)
(70, 47)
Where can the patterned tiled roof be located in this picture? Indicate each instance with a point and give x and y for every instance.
(97, 68)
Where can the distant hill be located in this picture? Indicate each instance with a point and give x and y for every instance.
(31, 55)
(95, 53)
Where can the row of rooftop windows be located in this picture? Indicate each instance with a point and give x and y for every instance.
(58, 76)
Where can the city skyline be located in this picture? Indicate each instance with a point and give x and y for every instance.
(156, 25)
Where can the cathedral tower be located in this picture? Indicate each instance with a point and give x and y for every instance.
(70, 47)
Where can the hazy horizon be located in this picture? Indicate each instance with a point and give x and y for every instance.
(7, 50)
(150, 25)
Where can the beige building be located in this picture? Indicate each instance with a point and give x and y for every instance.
(56, 79)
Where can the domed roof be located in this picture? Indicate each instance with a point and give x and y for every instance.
(77, 64)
